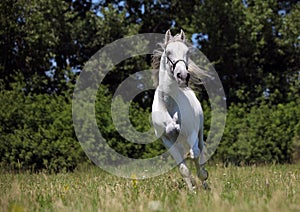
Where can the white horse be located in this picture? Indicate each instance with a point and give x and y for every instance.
(176, 112)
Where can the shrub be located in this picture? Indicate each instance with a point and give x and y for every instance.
(36, 132)
(260, 134)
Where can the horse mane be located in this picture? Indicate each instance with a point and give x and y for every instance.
(196, 73)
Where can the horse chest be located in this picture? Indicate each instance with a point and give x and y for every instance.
(188, 108)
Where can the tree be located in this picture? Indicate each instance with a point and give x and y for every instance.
(53, 39)
(44, 45)
(254, 45)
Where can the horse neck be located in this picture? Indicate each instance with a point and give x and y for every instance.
(166, 84)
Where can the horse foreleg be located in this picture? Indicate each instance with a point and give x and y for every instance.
(164, 124)
(185, 173)
(177, 152)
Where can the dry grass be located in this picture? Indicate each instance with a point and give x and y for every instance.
(267, 188)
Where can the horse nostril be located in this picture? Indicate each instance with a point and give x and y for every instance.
(188, 76)
(178, 75)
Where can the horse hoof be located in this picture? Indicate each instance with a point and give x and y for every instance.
(205, 186)
(203, 175)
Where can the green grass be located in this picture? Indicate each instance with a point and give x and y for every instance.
(265, 188)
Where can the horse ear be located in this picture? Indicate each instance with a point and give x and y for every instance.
(168, 36)
(182, 35)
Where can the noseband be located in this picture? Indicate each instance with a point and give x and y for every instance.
(175, 63)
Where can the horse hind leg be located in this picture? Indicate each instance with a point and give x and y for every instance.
(196, 153)
(202, 173)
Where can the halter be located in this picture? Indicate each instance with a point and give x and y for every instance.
(175, 63)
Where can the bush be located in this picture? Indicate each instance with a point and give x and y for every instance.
(139, 119)
(261, 134)
(36, 132)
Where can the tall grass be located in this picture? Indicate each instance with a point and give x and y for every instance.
(266, 188)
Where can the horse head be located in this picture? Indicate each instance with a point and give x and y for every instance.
(176, 54)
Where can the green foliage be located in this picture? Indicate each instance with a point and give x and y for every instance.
(36, 132)
(137, 116)
(253, 44)
(261, 134)
(45, 43)
(50, 39)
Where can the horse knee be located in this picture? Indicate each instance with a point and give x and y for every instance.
(172, 128)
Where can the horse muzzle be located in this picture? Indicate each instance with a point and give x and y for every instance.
(182, 78)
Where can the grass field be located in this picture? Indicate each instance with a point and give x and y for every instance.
(264, 188)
